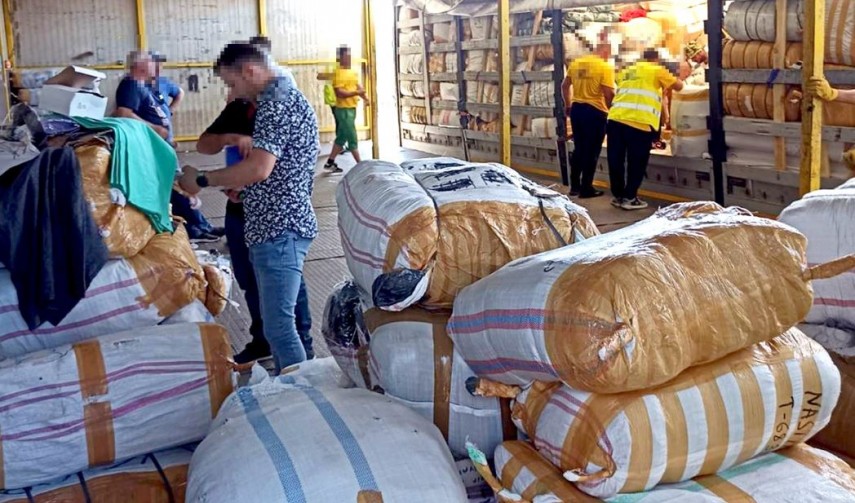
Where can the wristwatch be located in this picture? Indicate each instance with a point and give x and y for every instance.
(202, 180)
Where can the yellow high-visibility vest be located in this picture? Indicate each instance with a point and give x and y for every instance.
(638, 97)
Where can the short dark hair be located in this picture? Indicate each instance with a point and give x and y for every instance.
(261, 41)
(342, 49)
(239, 53)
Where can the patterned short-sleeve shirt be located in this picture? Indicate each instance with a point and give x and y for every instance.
(285, 126)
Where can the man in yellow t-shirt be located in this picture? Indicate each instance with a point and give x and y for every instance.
(588, 90)
(634, 122)
(348, 91)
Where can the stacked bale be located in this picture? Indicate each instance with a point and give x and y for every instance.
(639, 365)
(414, 235)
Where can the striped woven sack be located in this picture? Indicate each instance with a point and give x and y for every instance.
(799, 474)
(108, 399)
(633, 308)
(712, 417)
(277, 441)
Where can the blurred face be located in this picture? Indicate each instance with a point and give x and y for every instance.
(241, 82)
(700, 57)
(158, 68)
(344, 59)
(145, 67)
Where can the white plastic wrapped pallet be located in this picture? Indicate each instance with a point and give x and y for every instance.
(826, 217)
(280, 442)
(112, 398)
(689, 110)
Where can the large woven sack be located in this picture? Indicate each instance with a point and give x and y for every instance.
(413, 360)
(840, 344)
(799, 474)
(125, 229)
(825, 217)
(767, 397)
(109, 399)
(424, 230)
(159, 477)
(280, 442)
(633, 308)
(169, 272)
(112, 304)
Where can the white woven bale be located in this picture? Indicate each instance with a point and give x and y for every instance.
(135, 480)
(112, 398)
(414, 362)
(112, 304)
(826, 217)
(487, 214)
(281, 442)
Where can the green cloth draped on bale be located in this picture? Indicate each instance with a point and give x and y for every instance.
(143, 167)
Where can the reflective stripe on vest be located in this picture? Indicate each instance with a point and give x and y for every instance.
(639, 96)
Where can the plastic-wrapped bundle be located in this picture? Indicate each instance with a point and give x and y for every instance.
(195, 312)
(125, 229)
(633, 308)
(423, 234)
(343, 328)
(133, 293)
(799, 474)
(825, 217)
(159, 477)
(413, 361)
(840, 343)
(689, 110)
(280, 442)
(712, 417)
(318, 373)
(108, 399)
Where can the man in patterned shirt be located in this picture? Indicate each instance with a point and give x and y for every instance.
(277, 180)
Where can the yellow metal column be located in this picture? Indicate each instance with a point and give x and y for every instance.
(262, 17)
(814, 53)
(504, 81)
(10, 35)
(370, 52)
(142, 40)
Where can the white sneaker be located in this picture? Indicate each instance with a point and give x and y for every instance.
(617, 202)
(634, 204)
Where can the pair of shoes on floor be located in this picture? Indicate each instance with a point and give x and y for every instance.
(332, 167)
(585, 194)
(629, 204)
(256, 352)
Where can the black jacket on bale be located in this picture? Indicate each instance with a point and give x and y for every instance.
(48, 238)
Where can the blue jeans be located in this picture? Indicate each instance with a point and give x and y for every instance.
(245, 276)
(197, 224)
(278, 268)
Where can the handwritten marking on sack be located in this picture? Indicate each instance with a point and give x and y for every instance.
(785, 411)
(809, 411)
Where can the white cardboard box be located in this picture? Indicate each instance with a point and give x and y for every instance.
(67, 93)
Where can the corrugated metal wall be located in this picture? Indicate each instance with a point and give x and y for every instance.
(304, 34)
(55, 32)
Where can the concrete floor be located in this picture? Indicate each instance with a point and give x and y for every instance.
(325, 266)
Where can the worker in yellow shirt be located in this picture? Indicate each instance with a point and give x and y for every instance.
(588, 90)
(348, 91)
(634, 122)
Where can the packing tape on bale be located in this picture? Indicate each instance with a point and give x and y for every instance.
(443, 360)
(218, 363)
(97, 416)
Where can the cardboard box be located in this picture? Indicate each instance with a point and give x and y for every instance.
(74, 92)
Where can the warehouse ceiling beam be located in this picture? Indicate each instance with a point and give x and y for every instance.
(504, 82)
(142, 39)
(814, 53)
